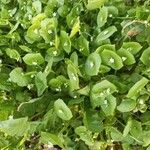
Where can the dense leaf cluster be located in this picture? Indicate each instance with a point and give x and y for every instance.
(74, 74)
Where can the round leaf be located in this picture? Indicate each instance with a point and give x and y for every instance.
(92, 64)
(62, 110)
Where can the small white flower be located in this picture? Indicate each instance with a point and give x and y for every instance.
(124, 58)
(111, 60)
(110, 15)
(91, 64)
(75, 96)
(49, 31)
(0, 61)
(146, 22)
(60, 111)
(51, 43)
(32, 76)
(29, 86)
(58, 89)
(36, 31)
(10, 117)
(54, 53)
(34, 63)
(54, 14)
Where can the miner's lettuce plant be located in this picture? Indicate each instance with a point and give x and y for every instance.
(75, 74)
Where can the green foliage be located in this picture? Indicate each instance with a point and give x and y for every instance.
(75, 75)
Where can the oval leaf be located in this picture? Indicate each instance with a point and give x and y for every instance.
(92, 64)
(33, 59)
(111, 59)
(62, 110)
(102, 16)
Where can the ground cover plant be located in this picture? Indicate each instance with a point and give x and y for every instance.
(74, 74)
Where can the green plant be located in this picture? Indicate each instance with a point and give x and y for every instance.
(74, 74)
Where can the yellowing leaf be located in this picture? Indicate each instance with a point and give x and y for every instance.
(75, 28)
(94, 4)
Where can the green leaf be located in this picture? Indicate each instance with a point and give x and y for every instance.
(111, 59)
(48, 67)
(65, 42)
(17, 76)
(85, 135)
(94, 4)
(63, 11)
(135, 89)
(25, 48)
(127, 127)
(145, 57)
(82, 45)
(74, 58)
(75, 28)
(116, 135)
(148, 148)
(127, 105)
(33, 33)
(102, 16)
(59, 83)
(92, 64)
(146, 138)
(37, 5)
(126, 56)
(12, 53)
(132, 47)
(136, 129)
(84, 91)
(33, 59)
(62, 110)
(108, 105)
(100, 91)
(41, 83)
(47, 138)
(15, 127)
(104, 69)
(105, 34)
(48, 26)
(73, 76)
(112, 11)
(93, 121)
(105, 47)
